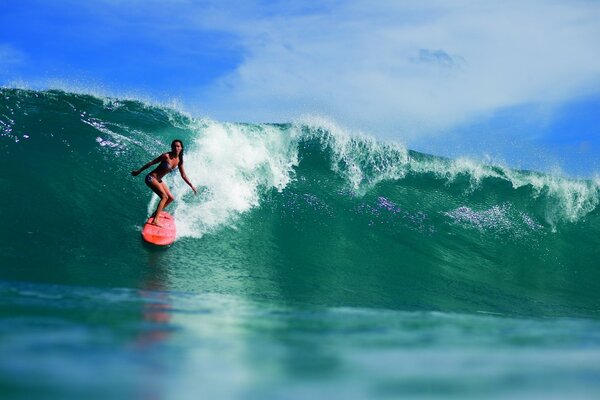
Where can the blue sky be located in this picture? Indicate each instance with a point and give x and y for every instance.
(518, 81)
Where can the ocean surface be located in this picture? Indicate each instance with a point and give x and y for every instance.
(314, 263)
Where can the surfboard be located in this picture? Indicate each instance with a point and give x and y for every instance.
(162, 235)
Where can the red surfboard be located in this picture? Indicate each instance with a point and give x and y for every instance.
(162, 235)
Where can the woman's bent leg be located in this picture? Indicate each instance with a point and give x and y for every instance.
(169, 194)
(159, 190)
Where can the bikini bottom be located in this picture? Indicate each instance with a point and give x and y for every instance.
(149, 179)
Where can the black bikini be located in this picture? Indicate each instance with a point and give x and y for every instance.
(163, 164)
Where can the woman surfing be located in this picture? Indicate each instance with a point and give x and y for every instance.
(169, 162)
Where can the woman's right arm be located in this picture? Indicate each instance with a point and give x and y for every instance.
(155, 161)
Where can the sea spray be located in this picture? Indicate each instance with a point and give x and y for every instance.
(235, 164)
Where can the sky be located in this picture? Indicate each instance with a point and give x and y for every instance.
(513, 81)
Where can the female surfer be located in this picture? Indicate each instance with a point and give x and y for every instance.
(168, 163)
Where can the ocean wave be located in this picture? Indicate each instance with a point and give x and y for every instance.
(307, 201)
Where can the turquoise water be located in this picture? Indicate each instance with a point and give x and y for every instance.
(314, 262)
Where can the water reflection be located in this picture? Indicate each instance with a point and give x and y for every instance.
(156, 304)
(155, 329)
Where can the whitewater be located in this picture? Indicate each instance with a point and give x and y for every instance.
(313, 262)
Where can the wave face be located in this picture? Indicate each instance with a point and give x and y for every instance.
(304, 213)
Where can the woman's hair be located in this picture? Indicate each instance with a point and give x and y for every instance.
(173, 149)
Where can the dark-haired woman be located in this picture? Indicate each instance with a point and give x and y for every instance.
(168, 163)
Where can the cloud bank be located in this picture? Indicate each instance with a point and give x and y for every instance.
(391, 68)
(398, 68)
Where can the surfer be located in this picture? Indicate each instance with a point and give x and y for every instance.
(169, 162)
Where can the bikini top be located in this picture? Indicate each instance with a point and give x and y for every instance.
(164, 164)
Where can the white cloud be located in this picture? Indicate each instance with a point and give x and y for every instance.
(388, 67)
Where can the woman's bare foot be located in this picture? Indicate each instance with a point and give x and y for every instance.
(155, 223)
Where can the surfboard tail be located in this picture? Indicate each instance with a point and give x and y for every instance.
(162, 235)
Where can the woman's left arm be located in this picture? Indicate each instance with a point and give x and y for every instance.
(185, 178)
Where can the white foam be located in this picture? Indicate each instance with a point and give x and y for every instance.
(232, 164)
(360, 158)
(566, 199)
(236, 163)
(570, 199)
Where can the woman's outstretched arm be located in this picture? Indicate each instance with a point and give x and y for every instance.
(185, 178)
(155, 161)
